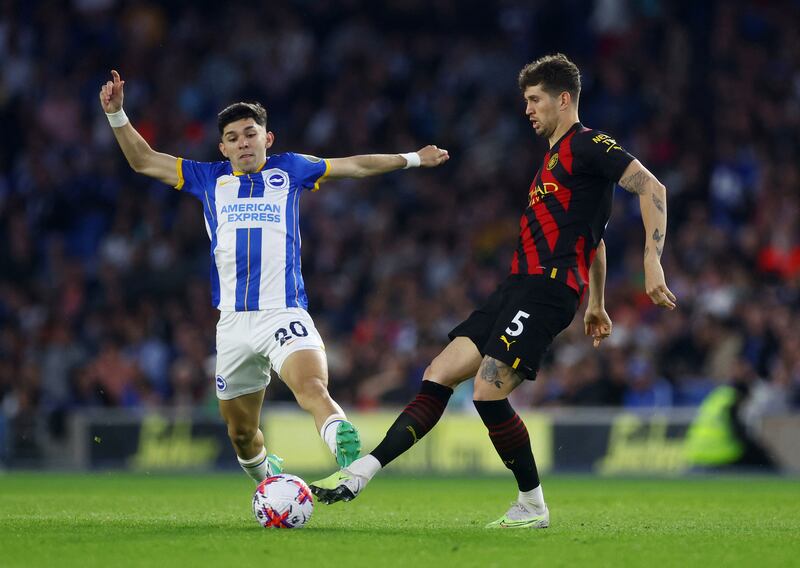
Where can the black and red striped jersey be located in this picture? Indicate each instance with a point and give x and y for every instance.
(569, 204)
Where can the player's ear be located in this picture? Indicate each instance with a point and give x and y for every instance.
(565, 101)
(222, 149)
(270, 138)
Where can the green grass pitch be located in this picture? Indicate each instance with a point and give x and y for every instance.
(110, 520)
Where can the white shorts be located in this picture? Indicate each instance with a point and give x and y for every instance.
(250, 344)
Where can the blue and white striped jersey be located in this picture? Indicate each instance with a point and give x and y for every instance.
(252, 221)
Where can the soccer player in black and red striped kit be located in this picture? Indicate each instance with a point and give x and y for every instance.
(560, 252)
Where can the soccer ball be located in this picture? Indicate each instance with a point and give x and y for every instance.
(283, 501)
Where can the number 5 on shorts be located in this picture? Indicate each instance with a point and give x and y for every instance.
(518, 326)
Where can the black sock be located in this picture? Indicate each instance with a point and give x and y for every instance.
(416, 420)
(510, 438)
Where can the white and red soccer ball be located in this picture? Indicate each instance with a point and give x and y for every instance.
(283, 501)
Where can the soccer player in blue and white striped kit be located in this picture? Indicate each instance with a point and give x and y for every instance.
(250, 204)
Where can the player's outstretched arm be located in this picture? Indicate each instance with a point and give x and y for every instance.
(596, 322)
(653, 204)
(141, 157)
(375, 164)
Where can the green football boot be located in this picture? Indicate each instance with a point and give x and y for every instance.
(519, 517)
(342, 485)
(274, 465)
(348, 444)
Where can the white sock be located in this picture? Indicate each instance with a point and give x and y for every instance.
(328, 431)
(366, 466)
(533, 499)
(255, 467)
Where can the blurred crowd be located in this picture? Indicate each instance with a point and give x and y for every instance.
(104, 289)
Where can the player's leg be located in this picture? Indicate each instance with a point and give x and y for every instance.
(305, 372)
(242, 416)
(537, 309)
(241, 379)
(458, 362)
(494, 382)
(290, 340)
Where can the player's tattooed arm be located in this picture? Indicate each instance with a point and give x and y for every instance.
(652, 202)
(653, 205)
(498, 374)
(657, 238)
(659, 203)
(636, 182)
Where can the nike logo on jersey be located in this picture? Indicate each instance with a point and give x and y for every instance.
(413, 434)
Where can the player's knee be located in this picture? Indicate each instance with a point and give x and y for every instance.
(311, 391)
(437, 372)
(485, 391)
(240, 435)
(439, 365)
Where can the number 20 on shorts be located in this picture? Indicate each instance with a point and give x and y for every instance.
(296, 329)
(517, 326)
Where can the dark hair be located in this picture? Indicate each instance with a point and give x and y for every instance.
(555, 73)
(238, 111)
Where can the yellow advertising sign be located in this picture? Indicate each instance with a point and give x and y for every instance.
(170, 445)
(638, 446)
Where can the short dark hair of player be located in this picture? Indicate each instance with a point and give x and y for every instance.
(238, 111)
(555, 73)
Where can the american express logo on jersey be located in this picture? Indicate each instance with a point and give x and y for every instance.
(241, 212)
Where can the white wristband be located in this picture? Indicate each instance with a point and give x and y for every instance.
(412, 160)
(117, 119)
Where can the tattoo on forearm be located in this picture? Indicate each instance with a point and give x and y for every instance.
(658, 203)
(635, 183)
(498, 373)
(657, 236)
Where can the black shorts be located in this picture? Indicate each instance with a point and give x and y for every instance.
(519, 321)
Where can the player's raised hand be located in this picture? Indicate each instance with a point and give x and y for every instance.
(656, 286)
(596, 324)
(111, 94)
(432, 156)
